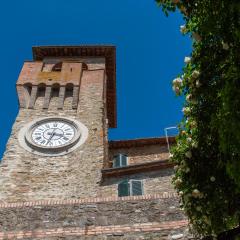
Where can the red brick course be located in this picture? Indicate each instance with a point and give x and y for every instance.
(87, 200)
(94, 230)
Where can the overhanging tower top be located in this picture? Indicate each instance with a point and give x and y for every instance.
(106, 51)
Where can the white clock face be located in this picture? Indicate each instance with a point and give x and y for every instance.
(53, 134)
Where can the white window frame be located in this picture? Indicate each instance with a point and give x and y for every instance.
(121, 165)
(130, 186)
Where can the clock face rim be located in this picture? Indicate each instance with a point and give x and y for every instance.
(34, 145)
(25, 141)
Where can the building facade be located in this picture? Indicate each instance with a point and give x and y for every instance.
(60, 177)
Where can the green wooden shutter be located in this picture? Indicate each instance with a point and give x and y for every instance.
(123, 188)
(136, 187)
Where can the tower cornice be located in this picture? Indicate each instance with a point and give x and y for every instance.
(106, 51)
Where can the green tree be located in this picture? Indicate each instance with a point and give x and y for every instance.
(207, 152)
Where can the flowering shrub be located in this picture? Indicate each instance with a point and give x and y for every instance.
(207, 152)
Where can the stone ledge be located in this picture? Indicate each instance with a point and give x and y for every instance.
(163, 195)
(94, 230)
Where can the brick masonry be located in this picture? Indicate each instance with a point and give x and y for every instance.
(100, 218)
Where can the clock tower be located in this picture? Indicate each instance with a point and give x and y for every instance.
(60, 176)
(57, 146)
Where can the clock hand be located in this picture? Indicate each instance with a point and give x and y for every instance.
(51, 136)
(56, 134)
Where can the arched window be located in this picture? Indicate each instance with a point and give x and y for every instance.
(130, 187)
(120, 160)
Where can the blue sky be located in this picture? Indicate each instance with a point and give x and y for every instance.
(150, 53)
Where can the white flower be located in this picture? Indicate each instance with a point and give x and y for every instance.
(176, 90)
(197, 37)
(183, 29)
(178, 182)
(180, 193)
(194, 145)
(189, 139)
(189, 97)
(193, 124)
(188, 154)
(183, 132)
(212, 179)
(195, 74)
(177, 82)
(198, 84)
(187, 170)
(225, 46)
(170, 155)
(187, 60)
(196, 193)
(186, 110)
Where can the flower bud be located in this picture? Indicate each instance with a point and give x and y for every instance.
(195, 74)
(196, 193)
(188, 154)
(186, 111)
(183, 29)
(178, 182)
(198, 84)
(212, 179)
(194, 145)
(225, 46)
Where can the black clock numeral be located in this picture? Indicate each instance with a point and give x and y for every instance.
(65, 138)
(55, 125)
(43, 141)
(38, 138)
(47, 126)
(36, 133)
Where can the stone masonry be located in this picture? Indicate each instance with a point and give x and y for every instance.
(75, 196)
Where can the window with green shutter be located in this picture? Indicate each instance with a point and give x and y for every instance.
(123, 189)
(130, 188)
(119, 160)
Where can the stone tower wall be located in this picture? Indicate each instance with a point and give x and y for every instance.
(27, 177)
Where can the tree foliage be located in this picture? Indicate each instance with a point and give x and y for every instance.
(207, 153)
